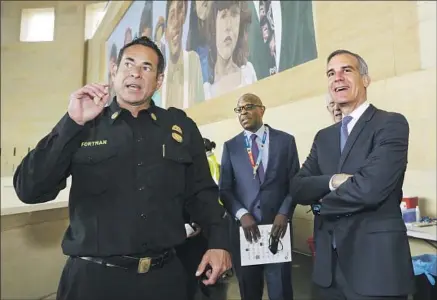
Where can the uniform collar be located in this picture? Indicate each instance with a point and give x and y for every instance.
(115, 110)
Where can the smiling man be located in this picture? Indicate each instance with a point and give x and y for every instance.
(135, 168)
(356, 167)
(257, 168)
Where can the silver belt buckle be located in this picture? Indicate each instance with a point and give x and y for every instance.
(144, 265)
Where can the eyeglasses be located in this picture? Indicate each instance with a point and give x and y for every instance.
(247, 107)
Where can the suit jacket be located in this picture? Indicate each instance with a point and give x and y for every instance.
(364, 212)
(238, 188)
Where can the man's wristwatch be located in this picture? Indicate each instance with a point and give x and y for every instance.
(315, 208)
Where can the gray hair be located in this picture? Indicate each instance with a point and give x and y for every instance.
(362, 65)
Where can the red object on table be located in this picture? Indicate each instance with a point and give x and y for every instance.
(411, 202)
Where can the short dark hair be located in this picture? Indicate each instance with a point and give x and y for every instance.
(209, 145)
(146, 42)
(363, 68)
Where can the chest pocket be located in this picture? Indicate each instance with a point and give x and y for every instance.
(170, 174)
(93, 169)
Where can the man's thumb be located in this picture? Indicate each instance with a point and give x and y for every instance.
(202, 266)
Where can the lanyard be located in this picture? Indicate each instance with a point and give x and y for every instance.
(255, 166)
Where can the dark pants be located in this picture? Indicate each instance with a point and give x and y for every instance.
(190, 254)
(341, 290)
(218, 291)
(278, 278)
(85, 280)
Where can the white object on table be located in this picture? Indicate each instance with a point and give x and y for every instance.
(11, 205)
(425, 233)
(259, 254)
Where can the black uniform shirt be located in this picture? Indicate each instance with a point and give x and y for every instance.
(132, 178)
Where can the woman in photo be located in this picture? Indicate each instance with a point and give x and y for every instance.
(198, 34)
(229, 48)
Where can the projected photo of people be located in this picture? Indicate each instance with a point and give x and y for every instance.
(146, 27)
(230, 68)
(182, 86)
(267, 24)
(214, 47)
(199, 34)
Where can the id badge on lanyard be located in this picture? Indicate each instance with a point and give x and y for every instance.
(255, 165)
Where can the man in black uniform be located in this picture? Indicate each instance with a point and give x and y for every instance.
(134, 168)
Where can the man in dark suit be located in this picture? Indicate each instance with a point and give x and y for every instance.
(356, 167)
(256, 172)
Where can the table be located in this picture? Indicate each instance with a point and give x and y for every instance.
(11, 205)
(427, 234)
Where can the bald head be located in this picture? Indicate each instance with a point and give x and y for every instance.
(250, 110)
(250, 98)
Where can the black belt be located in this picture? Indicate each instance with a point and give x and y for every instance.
(140, 264)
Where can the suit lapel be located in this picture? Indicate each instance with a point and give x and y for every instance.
(334, 144)
(355, 133)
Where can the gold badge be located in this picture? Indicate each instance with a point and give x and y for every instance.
(114, 115)
(176, 137)
(144, 265)
(177, 129)
(153, 116)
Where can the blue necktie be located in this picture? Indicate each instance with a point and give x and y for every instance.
(255, 153)
(344, 133)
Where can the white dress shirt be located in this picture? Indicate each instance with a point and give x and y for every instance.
(356, 114)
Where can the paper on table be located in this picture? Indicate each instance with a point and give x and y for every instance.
(258, 253)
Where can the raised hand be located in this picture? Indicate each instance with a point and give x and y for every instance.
(88, 102)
